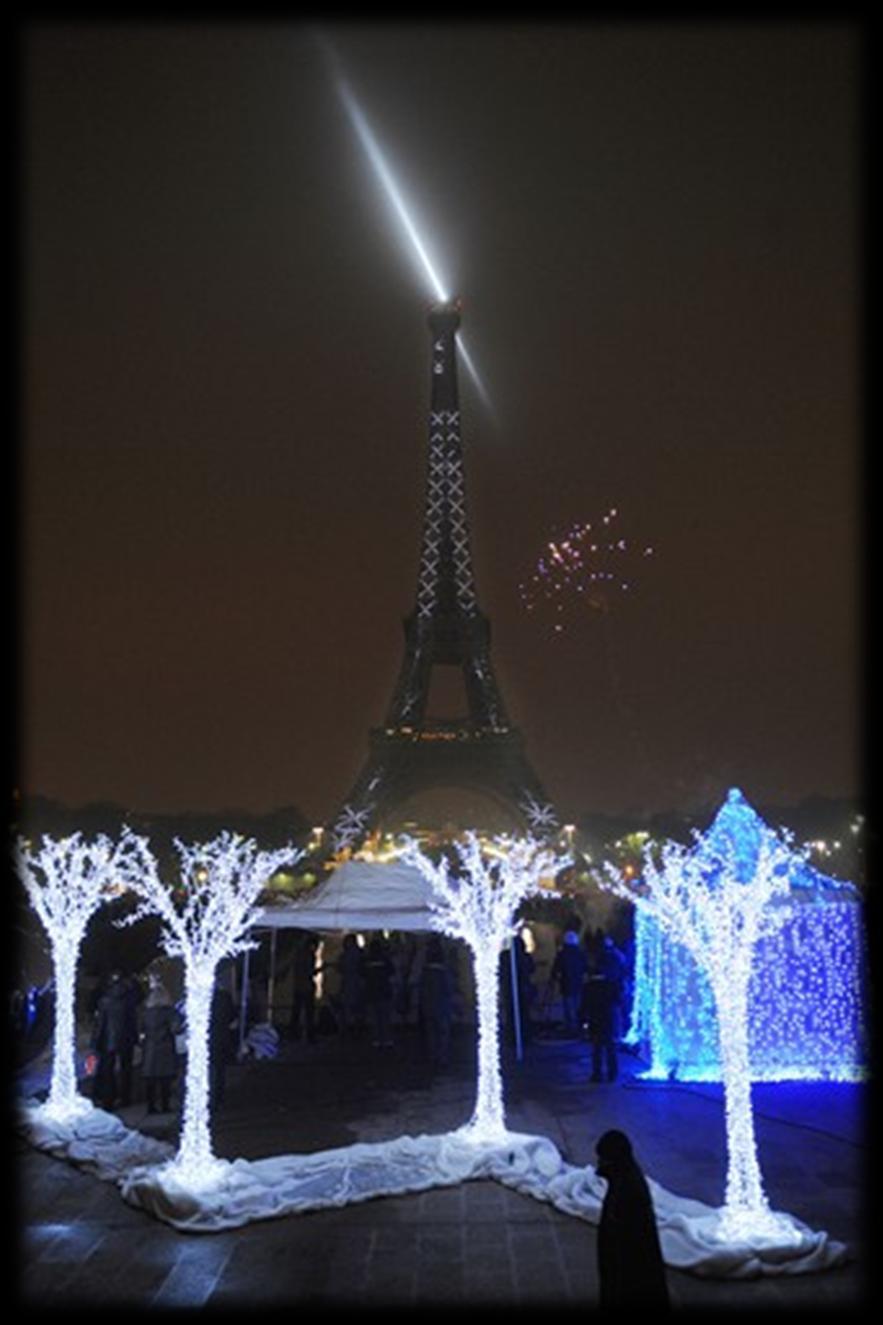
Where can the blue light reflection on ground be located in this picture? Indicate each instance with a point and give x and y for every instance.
(833, 1108)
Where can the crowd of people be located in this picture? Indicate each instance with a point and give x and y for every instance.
(593, 977)
(138, 1039)
(137, 1042)
(380, 986)
(391, 982)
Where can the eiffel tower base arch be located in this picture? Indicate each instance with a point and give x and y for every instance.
(450, 780)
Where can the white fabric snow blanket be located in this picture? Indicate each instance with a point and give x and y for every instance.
(242, 1191)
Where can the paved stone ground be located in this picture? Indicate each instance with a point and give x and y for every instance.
(477, 1244)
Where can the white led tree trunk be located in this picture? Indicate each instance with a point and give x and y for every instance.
(479, 906)
(488, 1115)
(67, 880)
(708, 901)
(220, 882)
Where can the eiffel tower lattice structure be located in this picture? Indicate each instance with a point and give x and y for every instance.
(479, 749)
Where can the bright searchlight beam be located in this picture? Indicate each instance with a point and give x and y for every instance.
(473, 373)
(381, 169)
(393, 193)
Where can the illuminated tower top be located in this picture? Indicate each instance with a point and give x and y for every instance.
(445, 584)
(444, 320)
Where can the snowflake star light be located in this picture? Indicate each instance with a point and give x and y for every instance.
(542, 819)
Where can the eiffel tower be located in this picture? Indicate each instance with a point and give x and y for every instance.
(414, 751)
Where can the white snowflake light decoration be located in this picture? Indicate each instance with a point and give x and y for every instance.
(221, 881)
(67, 880)
(708, 900)
(479, 906)
(542, 819)
(349, 826)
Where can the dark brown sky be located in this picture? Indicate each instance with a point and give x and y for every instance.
(654, 230)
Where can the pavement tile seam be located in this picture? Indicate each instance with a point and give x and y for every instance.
(397, 1237)
(187, 1285)
(62, 1252)
(35, 1283)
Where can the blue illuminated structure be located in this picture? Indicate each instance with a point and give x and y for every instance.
(806, 995)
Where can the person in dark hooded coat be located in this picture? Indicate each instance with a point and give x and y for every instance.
(379, 972)
(436, 1002)
(630, 1265)
(222, 1041)
(115, 1034)
(160, 1024)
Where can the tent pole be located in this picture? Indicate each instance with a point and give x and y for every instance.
(243, 1002)
(516, 1009)
(271, 978)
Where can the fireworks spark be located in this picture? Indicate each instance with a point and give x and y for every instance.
(582, 570)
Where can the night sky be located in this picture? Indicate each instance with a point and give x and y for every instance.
(654, 230)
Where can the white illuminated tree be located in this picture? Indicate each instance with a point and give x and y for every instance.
(717, 898)
(205, 919)
(67, 880)
(479, 905)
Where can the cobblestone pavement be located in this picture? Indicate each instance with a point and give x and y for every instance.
(478, 1243)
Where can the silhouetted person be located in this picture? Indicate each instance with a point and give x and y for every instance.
(436, 1002)
(351, 969)
(569, 971)
(613, 963)
(159, 1065)
(222, 1020)
(600, 1010)
(603, 992)
(401, 954)
(303, 987)
(379, 973)
(631, 1270)
(114, 1037)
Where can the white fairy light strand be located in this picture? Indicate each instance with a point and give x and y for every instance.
(806, 1019)
(67, 880)
(703, 899)
(480, 907)
(221, 880)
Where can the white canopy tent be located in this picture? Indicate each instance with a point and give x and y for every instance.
(359, 895)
